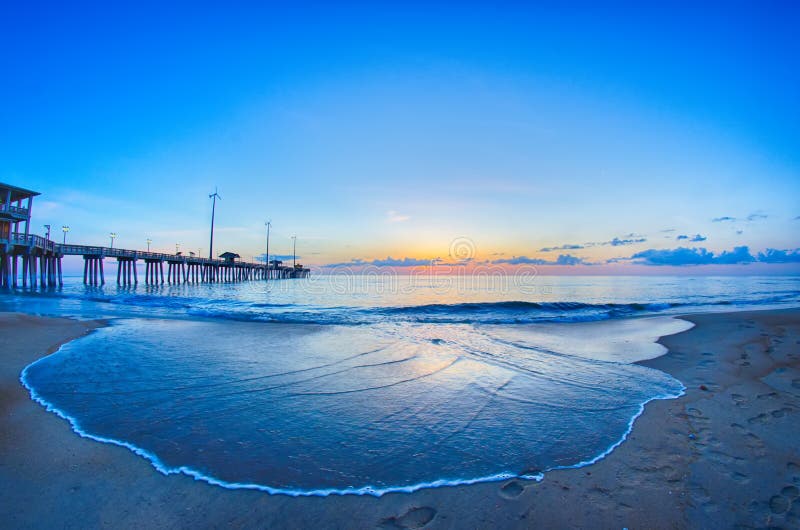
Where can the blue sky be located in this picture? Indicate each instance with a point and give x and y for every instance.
(377, 132)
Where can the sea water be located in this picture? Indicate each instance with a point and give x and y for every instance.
(371, 384)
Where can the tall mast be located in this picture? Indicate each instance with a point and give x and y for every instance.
(266, 260)
(214, 196)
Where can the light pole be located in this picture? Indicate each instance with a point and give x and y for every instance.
(213, 196)
(113, 236)
(177, 248)
(65, 229)
(148, 244)
(294, 251)
(266, 259)
(47, 236)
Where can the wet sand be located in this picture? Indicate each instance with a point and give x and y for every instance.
(726, 454)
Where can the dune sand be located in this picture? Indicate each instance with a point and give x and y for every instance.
(726, 454)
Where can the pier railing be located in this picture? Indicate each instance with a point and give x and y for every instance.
(108, 252)
(32, 240)
(32, 249)
(16, 210)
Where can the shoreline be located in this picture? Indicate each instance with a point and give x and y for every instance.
(389, 508)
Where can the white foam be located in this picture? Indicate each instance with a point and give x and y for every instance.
(618, 340)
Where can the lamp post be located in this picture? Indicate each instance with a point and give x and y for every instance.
(65, 229)
(113, 236)
(148, 244)
(177, 248)
(47, 236)
(294, 251)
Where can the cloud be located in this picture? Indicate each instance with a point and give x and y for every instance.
(739, 232)
(617, 242)
(666, 230)
(562, 259)
(773, 255)
(737, 255)
(756, 217)
(562, 247)
(629, 239)
(692, 256)
(388, 262)
(796, 218)
(722, 219)
(282, 257)
(394, 217)
(695, 238)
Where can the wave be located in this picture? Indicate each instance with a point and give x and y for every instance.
(498, 312)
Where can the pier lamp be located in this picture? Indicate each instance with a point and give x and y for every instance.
(177, 248)
(47, 236)
(294, 251)
(148, 244)
(113, 235)
(65, 229)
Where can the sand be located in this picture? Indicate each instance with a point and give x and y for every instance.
(726, 454)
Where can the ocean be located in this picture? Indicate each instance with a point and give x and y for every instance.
(372, 384)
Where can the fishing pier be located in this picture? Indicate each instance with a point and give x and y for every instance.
(29, 260)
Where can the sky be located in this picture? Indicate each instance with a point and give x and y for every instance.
(599, 137)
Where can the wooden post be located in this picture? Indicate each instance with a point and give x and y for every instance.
(102, 272)
(85, 269)
(25, 262)
(60, 275)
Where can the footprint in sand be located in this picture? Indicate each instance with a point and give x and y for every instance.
(761, 418)
(782, 503)
(794, 469)
(512, 490)
(413, 518)
(778, 504)
(738, 399)
(780, 413)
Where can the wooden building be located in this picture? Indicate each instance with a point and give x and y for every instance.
(39, 258)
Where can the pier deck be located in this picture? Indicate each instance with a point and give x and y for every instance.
(45, 255)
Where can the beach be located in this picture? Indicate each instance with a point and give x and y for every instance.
(725, 454)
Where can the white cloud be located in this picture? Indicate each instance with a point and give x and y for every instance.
(395, 217)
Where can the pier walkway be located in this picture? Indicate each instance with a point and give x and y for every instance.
(41, 260)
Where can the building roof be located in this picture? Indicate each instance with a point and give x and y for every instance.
(229, 255)
(16, 193)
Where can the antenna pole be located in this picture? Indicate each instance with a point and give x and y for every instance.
(214, 196)
(266, 260)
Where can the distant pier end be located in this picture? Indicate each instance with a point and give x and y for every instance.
(40, 257)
